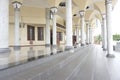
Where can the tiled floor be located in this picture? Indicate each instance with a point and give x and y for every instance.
(26, 54)
(85, 63)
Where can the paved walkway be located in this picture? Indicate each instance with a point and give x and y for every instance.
(86, 63)
(26, 54)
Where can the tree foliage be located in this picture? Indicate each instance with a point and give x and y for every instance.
(116, 37)
(98, 39)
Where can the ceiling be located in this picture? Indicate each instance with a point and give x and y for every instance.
(92, 7)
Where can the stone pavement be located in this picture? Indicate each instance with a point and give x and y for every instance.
(85, 63)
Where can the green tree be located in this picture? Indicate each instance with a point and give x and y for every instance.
(98, 39)
(116, 37)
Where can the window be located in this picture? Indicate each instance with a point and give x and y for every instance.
(30, 32)
(40, 33)
(60, 36)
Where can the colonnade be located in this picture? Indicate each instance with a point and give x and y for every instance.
(107, 27)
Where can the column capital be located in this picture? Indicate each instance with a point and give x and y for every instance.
(82, 13)
(87, 21)
(17, 4)
(53, 9)
(103, 16)
(108, 1)
(76, 25)
(90, 27)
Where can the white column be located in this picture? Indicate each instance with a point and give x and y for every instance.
(77, 34)
(17, 6)
(104, 32)
(82, 28)
(17, 23)
(54, 31)
(47, 29)
(90, 35)
(69, 32)
(54, 10)
(108, 4)
(4, 25)
(87, 32)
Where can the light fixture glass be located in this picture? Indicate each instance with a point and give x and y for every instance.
(82, 13)
(16, 4)
(53, 9)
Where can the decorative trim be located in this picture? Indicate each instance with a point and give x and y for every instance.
(108, 2)
(82, 13)
(16, 2)
(53, 9)
(4, 50)
(61, 26)
(110, 56)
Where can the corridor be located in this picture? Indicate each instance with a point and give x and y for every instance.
(32, 30)
(85, 63)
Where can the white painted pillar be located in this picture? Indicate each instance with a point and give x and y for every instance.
(54, 10)
(108, 4)
(17, 31)
(104, 32)
(90, 35)
(54, 31)
(17, 6)
(82, 13)
(87, 32)
(69, 32)
(47, 29)
(77, 34)
(4, 25)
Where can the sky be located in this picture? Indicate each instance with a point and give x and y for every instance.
(116, 18)
(115, 21)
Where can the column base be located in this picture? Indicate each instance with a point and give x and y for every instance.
(87, 43)
(54, 46)
(4, 50)
(47, 45)
(110, 56)
(17, 47)
(69, 47)
(82, 44)
(77, 43)
(104, 49)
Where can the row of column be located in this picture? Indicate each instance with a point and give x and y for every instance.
(106, 29)
(89, 35)
(69, 32)
(89, 31)
(51, 14)
(4, 24)
(17, 5)
(109, 8)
